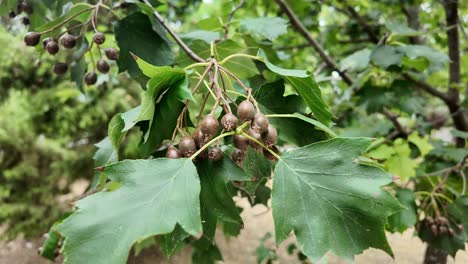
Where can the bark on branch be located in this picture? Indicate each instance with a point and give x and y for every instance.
(174, 35)
(296, 23)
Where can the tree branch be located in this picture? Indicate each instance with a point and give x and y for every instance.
(231, 16)
(174, 35)
(301, 29)
(426, 87)
(394, 119)
(361, 21)
(459, 115)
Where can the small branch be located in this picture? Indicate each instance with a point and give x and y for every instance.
(301, 29)
(426, 87)
(361, 21)
(211, 142)
(231, 16)
(394, 119)
(174, 35)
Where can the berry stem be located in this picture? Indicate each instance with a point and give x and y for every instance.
(66, 21)
(198, 64)
(261, 144)
(211, 142)
(239, 55)
(248, 90)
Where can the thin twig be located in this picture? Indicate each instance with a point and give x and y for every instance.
(394, 119)
(174, 35)
(230, 17)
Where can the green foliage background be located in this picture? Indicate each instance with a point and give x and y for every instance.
(47, 134)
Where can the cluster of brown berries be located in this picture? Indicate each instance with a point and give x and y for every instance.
(68, 41)
(22, 7)
(260, 129)
(440, 226)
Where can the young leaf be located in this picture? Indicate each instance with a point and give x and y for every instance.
(330, 201)
(357, 61)
(385, 56)
(153, 197)
(264, 27)
(306, 86)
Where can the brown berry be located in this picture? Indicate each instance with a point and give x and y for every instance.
(112, 54)
(60, 68)
(451, 232)
(267, 154)
(270, 137)
(209, 126)
(442, 220)
(25, 21)
(215, 153)
(32, 38)
(91, 78)
(173, 153)
(238, 156)
(434, 229)
(429, 220)
(99, 38)
(199, 138)
(256, 136)
(12, 14)
(46, 41)
(260, 123)
(460, 227)
(102, 66)
(52, 47)
(229, 122)
(187, 146)
(246, 110)
(240, 142)
(68, 41)
(443, 230)
(24, 7)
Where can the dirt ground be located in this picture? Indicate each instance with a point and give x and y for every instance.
(258, 221)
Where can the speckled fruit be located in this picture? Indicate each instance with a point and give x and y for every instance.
(215, 153)
(209, 126)
(270, 137)
(246, 110)
(229, 122)
(260, 123)
(52, 47)
(256, 136)
(99, 38)
(102, 66)
(68, 41)
(173, 153)
(91, 78)
(60, 68)
(238, 156)
(240, 142)
(112, 54)
(32, 38)
(187, 146)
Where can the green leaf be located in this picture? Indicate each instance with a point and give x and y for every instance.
(264, 27)
(421, 142)
(357, 61)
(332, 202)
(130, 117)
(165, 116)
(436, 58)
(172, 242)
(401, 164)
(406, 218)
(306, 86)
(385, 56)
(135, 34)
(207, 36)
(153, 197)
(162, 79)
(401, 29)
(295, 129)
(216, 200)
(206, 255)
(114, 131)
(80, 11)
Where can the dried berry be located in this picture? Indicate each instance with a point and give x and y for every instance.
(256, 136)
(451, 232)
(229, 122)
(173, 153)
(32, 38)
(102, 66)
(215, 153)
(246, 110)
(68, 41)
(238, 156)
(267, 154)
(270, 137)
(187, 146)
(91, 78)
(240, 142)
(12, 14)
(60, 68)
(209, 126)
(434, 229)
(429, 220)
(112, 54)
(260, 123)
(99, 38)
(442, 220)
(52, 47)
